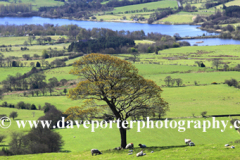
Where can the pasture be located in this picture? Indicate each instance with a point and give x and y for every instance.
(175, 18)
(151, 5)
(185, 103)
(20, 40)
(37, 4)
(5, 71)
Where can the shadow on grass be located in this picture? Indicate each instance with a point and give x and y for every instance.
(148, 149)
(65, 151)
(4, 145)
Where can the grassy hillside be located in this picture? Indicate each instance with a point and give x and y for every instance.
(10, 71)
(151, 5)
(210, 151)
(185, 103)
(37, 4)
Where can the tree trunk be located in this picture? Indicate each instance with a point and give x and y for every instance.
(123, 133)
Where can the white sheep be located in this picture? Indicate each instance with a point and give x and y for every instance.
(232, 147)
(187, 141)
(142, 145)
(95, 151)
(139, 154)
(226, 145)
(130, 146)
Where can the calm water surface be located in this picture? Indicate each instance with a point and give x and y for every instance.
(183, 30)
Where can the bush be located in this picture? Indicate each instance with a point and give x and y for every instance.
(38, 64)
(5, 152)
(33, 107)
(204, 114)
(214, 83)
(2, 137)
(232, 82)
(13, 115)
(51, 113)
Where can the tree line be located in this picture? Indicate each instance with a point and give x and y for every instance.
(97, 45)
(15, 8)
(33, 142)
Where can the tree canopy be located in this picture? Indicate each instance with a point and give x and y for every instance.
(117, 83)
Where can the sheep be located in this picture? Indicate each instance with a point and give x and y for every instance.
(142, 145)
(139, 154)
(232, 147)
(187, 141)
(95, 151)
(226, 145)
(191, 144)
(130, 146)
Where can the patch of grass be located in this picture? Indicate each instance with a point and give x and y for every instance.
(20, 40)
(143, 41)
(35, 49)
(151, 5)
(178, 18)
(5, 71)
(37, 4)
(22, 115)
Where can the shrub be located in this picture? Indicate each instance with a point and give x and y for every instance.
(33, 107)
(13, 115)
(51, 113)
(232, 82)
(2, 137)
(38, 64)
(204, 114)
(214, 83)
(21, 105)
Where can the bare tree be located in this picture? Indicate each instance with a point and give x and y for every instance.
(179, 82)
(173, 82)
(216, 63)
(30, 40)
(32, 64)
(168, 80)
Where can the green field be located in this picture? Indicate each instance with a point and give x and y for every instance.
(12, 71)
(20, 40)
(210, 143)
(210, 151)
(178, 19)
(37, 4)
(231, 3)
(151, 5)
(186, 103)
(118, 17)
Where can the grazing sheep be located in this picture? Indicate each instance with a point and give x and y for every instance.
(191, 144)
(142, 145)
(139, 154)
(130, 146)
(187, 141)
(151, 151)
(232, 147)
(95, 151)
(226, 145)
(130, 153)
